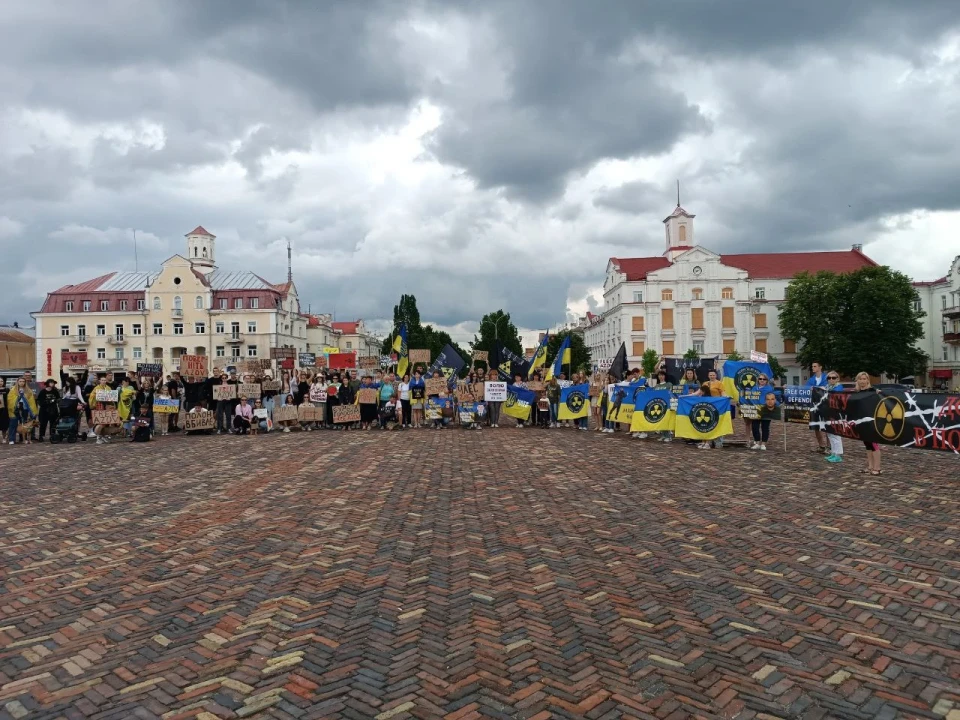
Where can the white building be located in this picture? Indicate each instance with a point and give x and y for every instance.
(354, 337)
(940, 300)
(692, 298)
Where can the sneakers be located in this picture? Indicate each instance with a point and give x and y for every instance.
(666, 439)
(100, 441)
(763, 446)
(642, 436)
(286, 429)
(703, 446)
(833, 458)
(754, 446)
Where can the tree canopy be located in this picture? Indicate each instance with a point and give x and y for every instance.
(419, 336)
(860, 321)
(497, 326)
(649, 362)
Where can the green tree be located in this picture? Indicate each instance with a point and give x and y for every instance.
(735, 356)
(778, 370)
(691, 354)
(419, 336)
(649, 362)
(497, 326)
(861, 321)
(579, 353)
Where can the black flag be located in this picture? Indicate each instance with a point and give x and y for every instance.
(507, 363)
(618, 370)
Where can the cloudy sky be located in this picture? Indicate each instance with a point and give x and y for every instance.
(477, 154)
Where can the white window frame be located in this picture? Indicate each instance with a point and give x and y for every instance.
(218, 327)
(138, 353)
(220, 351)
(136, 329)
(760, 293)
(81, 331)
(200, 328)
(123, 304)
(254, 303)
(156, 327)
(178, 328)
(238, 303)
(252, 326)
(68, 306)
(101, 353)
(251, 350)
(157, 305)
(118, 353)
(104, 306)
(64, 330)
(101, 330)
(235, 351)
(199, 302)
(141, 304)
(223, 303)
(86, 306)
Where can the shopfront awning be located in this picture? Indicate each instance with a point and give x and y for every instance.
(945, 373)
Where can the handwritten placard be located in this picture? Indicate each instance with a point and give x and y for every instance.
(367, 396)
(318, 393)
(193, 366)
(199, 420)
(368, 363)
(285, 413)
(165, 406)
(73, 359)
(309, 413)
(535, 386)
(224, 392)
(153, 370)
(420, 356)
(106, 396)
(481, 356)
(109, 416)
(435, 386)
(307, 359)
(346, 413)
(248, 390)
(270, 386)
(282, 353)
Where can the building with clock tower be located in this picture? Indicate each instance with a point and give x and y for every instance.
(692, 298)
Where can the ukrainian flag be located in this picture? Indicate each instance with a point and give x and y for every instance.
(518, 404)
(652, 412)
(401, 349)
(620, 402)
(563, 358)
(740, 381)
(574, 402)
(703, 418)
(540, 358)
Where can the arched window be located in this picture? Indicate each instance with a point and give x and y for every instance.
(727, 293)
(156, 303)
(178, 303)
(204, 250)
(666, 295)
(199, 303)
(195, 251)
(698, 293)
(683, 234)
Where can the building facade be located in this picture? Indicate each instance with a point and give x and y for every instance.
(187, 307)
(692, 298)
(354, 337)
(940, 300)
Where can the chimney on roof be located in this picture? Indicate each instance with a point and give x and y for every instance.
(858, 247)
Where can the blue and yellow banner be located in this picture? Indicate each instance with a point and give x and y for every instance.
(652, 413)
(434, 407)
(741, 381)
(563, 358)
(620, 402)
(518, 404)
(539, 357)
(574, 402)
(402, 351)
(703, 418)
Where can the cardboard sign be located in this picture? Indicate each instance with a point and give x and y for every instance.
(386, 361)
(154, 370)
(435, 386)
(435, 408)
(343, 361)
(73, 359)
(758, 357)
(604, 363)
(285, 413)
(309, 413)
(535, 386)
(320, 361)
(105, 417)
(481, 356)
(250, 390)
(495, 391)
(318, 394)
(307, 359)
(277, 353)
(193, 366)
(165, 406)
(200, 420)
(107, 396)
(479, 390)
(346, 413)
(261, 413)
(367, 396)
(270, 386)
(419, 356)
(464, 393)
(368, 363)
(224, 392)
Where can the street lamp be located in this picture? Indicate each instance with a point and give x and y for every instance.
(496, 326)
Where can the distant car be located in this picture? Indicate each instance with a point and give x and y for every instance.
(893, 386)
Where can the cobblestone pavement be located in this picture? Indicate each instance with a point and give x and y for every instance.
(503, 574)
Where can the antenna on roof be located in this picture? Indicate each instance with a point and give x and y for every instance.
(678, 192)
(289, 262)
(136, 262)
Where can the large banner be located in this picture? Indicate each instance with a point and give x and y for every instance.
(929, 421)
(654, 411)
(574, 402)
(675, 368)
(518, 403)
(449, 363)
(507, 363)
(703, 418)
(796, 403)
(742, 383)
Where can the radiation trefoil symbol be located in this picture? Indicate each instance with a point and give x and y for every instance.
(704, 417)
(654, 411)
(889, 418)
(575, 401)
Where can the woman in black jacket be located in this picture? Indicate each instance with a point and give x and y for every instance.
(303, 389)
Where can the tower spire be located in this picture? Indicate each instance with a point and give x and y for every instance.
(678, 192)
(289, 262)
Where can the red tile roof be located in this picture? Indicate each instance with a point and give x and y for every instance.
(637, 268)
(761, 265)
(787, 265)
(927, 283)
(313, 321)
(88, 286)
(9, 335)
(198, 230)
(347, 328)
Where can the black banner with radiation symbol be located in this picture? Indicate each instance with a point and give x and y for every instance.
(929, 421)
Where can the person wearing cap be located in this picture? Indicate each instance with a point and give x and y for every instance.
(48, 402)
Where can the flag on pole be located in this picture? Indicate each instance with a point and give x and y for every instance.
(402, 350)
(540, 357)
(563, 358)
(618, 370)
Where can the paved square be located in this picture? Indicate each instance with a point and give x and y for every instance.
(504, 574)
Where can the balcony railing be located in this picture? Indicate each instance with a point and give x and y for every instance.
(176, 312)
(80, 339)
(119, 363)
(951, 337)
(951, 312)
(232, 337)
(117, 339)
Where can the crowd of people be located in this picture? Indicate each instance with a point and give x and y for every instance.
(400, 403)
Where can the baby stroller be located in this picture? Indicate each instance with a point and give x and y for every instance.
(68, 426)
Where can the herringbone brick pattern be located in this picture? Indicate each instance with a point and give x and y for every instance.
(502, 574)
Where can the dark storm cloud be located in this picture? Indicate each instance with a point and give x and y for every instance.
(119, 114)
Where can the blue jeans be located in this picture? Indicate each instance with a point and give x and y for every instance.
(583, 422)
(554, 412)
(18, 417)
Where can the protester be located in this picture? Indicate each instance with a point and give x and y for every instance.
(836, 441)
(762, 389)
(873, 449)
(243, 417)
(141, 426)
(21, 410)
(403, 394)
(4, 413)
(818, 379)
(760, 427)
(417, 395)
(48, 402)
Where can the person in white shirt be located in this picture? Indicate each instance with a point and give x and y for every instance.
(403, 390)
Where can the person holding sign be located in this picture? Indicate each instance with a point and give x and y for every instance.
(367, 398)
(417, 397)
(22, 411)
(761, 425)
(403, 391)
(243, 417)
(836, 441)
(164, 394)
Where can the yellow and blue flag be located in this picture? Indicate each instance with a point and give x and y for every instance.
(652, 412)
(574, 402)
(540, 357)
(401, 349)
(703, 418)
(740, 381)
(620, 402)
(563, 358)
(519, 402)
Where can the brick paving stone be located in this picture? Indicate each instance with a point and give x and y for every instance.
(511, 573)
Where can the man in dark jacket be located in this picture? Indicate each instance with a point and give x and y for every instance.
(48, 405)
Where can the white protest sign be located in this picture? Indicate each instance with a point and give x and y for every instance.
(758, 357)
(495, 391)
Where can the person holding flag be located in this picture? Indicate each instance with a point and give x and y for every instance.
(539, 357)
(402, 350)
(562, 358)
